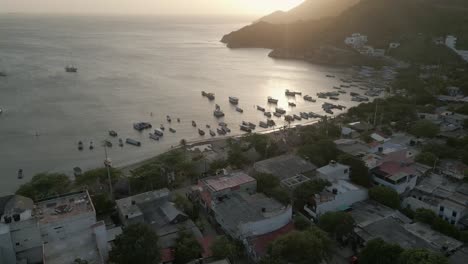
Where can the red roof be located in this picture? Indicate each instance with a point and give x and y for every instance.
(167, 255)
(260, 243)
(206, 243)
(394, 167)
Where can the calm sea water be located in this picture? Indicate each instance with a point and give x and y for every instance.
(128, 68)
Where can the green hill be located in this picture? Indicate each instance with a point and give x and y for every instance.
(383, 21)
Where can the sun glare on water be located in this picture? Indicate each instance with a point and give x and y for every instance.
(267, 6)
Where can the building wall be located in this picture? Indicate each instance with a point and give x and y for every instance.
(27, 240)
(400, 188)
(447, 213)
(100, 234)
(250, 187)
(342, 200)
(7, 251)
(266, 225)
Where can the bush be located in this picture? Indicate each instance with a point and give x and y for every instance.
(301, 223)
(359, 171)
(385, 196)
(424, 128)
(426, 158)
(44, 185)
(339, 224)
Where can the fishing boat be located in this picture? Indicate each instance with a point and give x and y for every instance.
(271, 100)
(227, 130)
(91, 145)
(245, 128)
(271, 122)
(334, 98)
(222, 124)
(172, 130)
(277, 114)
(354, 94)
(233, 100)
(221, 131)
(212, 133)
(1, 111)
(20, 174)
(248, 124)
(329, 111)
(112, 133)
(201, 132)
(292, 104)
(154, 136)
(121, 144)
(288, 118)
(194, 124)
(289, 93)
(342, 92)
(280, 110)
(203, 93)
(108, 143)
(336, 87)
(304, 115)
(330, 76)
(309, 98)
(178, 120)
(158, 133)
(168, 118)
(141, 126)
(80, 145)
(260, 108)
(298, 118)
(217, 107)
(71, 69)
(240, 110)
(267, 114)
(263, 124)
(133, 142)
(313, 115)
(210, 96)
(208, 126)
(218, 113)
(162, 127)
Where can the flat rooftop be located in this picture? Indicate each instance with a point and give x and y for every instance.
(332, 168)
(368, 212)
(63, 206)
(285, 166)
(243, 207)
(129, 206)
(81, 245)
(433, 237)
(295, 181)
(219, 183)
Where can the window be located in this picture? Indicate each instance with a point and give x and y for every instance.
(441, 209)
(17, 243)
(346, 171)
(454, 214)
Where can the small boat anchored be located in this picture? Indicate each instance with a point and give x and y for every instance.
(260, 108)
(80, 145)
(71, 69)
(292, 104)
(154, 136)
(112, 133)
(121, 144)
(271, 100)
(201, 132)
(194, 124)
(172, 130)
(233, 100)
(218, 113)
(240, 110)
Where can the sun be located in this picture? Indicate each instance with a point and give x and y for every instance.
(267, 6)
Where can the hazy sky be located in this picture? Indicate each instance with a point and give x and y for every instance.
(148, 6)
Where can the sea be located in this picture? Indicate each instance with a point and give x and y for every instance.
(131, 69)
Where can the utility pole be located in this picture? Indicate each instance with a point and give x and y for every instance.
(108, 164)
(375, 114)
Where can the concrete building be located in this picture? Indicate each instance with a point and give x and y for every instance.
(334, 171)
(45, 232)
(374, 220)
(216, 187)
(156, 209)
(445, 197)
(340, 196)
(292, 170)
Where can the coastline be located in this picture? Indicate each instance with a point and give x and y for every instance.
(126, 169)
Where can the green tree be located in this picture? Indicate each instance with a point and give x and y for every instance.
(301, 223)
(97, 176)
(266, 182)
(359, 171)
(421, 256)
(224, 248)
(263, 144)
(137, 244)
(386, 196)
(427, 158)
(378, 251)
(424, 128)
(339, 224)
(236, 157)
(304, 192)
(311, 246)
(45, 185)
(182, 203)
(102, 204)
(319, 153)
(187, 248)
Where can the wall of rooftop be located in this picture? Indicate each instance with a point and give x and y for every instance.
(266, 225)
(7, 252)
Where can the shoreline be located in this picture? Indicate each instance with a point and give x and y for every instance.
(126, 169)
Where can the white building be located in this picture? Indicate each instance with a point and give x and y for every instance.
(53, 231)
(334, 171)
(340, 196)
(356, 40)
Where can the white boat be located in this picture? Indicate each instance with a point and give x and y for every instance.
(233, 100)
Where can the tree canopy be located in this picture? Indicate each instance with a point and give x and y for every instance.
(421, 256)
(137, 244)
(359, 171)
(339, 224)
(424, 128)
(224, 248)
(378, 251)
(305, 191)
(386, 196)
(44, 185)
(310, 246)
(187, 248)
(319, 153)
